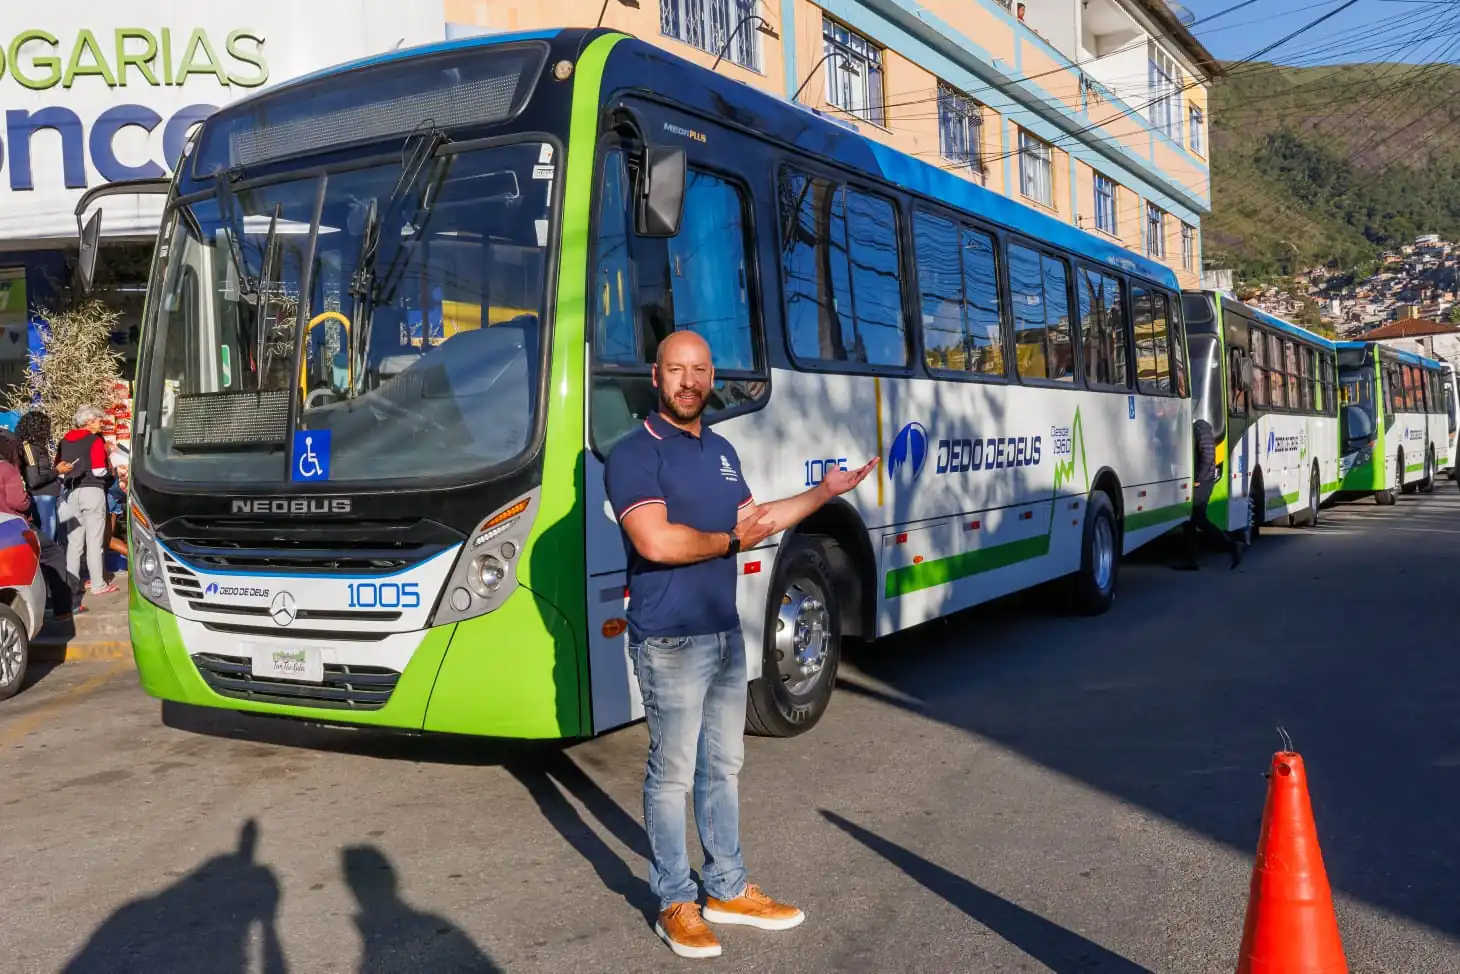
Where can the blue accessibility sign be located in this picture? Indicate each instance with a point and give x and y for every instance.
(311, 457)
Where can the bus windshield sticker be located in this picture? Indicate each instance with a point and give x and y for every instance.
(1130, 404)
(543, 172)
(311, 456)
(546, 155)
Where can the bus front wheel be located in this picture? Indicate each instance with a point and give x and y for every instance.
(803, 636)
(1427, 482)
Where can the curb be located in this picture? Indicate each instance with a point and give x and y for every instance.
(82, 652)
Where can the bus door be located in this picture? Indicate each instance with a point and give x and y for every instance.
(642, 287)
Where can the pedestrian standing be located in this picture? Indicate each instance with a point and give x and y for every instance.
(685, 510)
(82, 461)
(1204, 478)
(41, 476)
(16, 499)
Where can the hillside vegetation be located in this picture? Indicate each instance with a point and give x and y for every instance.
(1329, 165)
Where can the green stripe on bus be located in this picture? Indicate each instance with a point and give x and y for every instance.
(1329, 488)
(1282, 500)
(1414, 467)
(1157, 515)
(915, 578)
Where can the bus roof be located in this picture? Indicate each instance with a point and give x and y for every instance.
(796, 125)
(1408, 358)
(1273, 321)
(402, 54)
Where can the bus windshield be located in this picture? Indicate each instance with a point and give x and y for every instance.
(1358, 407)
(421, 351)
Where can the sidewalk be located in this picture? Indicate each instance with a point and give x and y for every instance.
(99, 633)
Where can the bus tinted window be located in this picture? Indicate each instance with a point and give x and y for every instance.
(1196, 309)
(1260, 387)
(1041, 315)
(1102, 325)
(1175, 337)
(1277, 380)
(959, 297)
(1305, 365)
(1153, 363)
(843, 297)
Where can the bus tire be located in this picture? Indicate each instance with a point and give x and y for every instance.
(1091, 590)
(1427, 482)
(1256, 510)
(1309, 517)
(14, 652)
(802, 645)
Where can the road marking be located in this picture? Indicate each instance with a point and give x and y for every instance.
(41, 714)
(96, 652)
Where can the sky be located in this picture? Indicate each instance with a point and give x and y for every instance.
(1414, 31)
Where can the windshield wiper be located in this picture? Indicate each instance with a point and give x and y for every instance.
(233, 226)
(417, 151)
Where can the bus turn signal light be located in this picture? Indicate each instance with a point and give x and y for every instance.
(510, 512)
(614, 628)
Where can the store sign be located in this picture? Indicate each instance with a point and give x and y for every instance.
(127, 57)
(109, 89)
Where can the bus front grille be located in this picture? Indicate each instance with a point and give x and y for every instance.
(345, 686)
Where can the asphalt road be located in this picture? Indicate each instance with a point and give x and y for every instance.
(1008, 790)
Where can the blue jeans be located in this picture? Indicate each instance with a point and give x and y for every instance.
(694, 703)
(45, 516)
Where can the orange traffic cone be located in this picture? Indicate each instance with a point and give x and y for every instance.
(1291, 927)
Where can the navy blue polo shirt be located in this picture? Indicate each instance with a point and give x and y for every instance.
(698, 480)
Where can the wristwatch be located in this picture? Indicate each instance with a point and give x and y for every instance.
(734, 546)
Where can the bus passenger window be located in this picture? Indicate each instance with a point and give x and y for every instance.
(1176, 332)
(1102, 327)
(1277, 380)
(1153, 363)
(1260, 387)
(843, 286)
(959, 297)
(1041, 315)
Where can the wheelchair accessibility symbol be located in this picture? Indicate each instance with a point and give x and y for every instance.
(311, 459)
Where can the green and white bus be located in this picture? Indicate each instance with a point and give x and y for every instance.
(1396, 431)
(1267, 387)
(401, 310)
(1451, 405)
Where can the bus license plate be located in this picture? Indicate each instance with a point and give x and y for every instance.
(299, 663)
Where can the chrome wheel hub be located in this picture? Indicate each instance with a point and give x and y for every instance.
(803, 636)
(9, 653)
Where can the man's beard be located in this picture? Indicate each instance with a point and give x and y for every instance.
(681, 412)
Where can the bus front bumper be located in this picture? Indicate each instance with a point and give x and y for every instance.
(516, 672)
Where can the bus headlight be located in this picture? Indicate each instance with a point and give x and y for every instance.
(487, 573)
(491, 558)
(149, 581)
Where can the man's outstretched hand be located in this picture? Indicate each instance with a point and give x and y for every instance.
(838, 482)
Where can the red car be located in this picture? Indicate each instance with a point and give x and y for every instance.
(22, 599)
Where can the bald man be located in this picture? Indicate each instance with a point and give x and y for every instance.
(686, 512)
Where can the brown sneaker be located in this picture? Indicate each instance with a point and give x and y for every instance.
(753, 909)
(684, 930)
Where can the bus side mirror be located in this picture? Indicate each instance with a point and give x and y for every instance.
(661, 192)
(90, 244)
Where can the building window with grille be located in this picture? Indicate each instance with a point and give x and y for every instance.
(1105, 205)
(1165, 94)
(1188, 246)
(1036, 169)
(960, 127)
(1198, 124)
(706, 24)
(1155, 231)
(853, 71)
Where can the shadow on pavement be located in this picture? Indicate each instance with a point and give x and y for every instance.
(202, 922)
(396, 936)
(543, 780)
(205, 921)
(1062, 951)
(1172, 699)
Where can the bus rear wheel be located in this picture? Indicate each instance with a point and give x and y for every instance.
(1091, 590)
(1256, 510)
(1427, 482)
(802, 646)
(1309, 517)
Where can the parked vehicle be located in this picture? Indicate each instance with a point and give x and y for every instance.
(22, 599)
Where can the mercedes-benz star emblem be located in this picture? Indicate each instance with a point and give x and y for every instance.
(282, 609)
